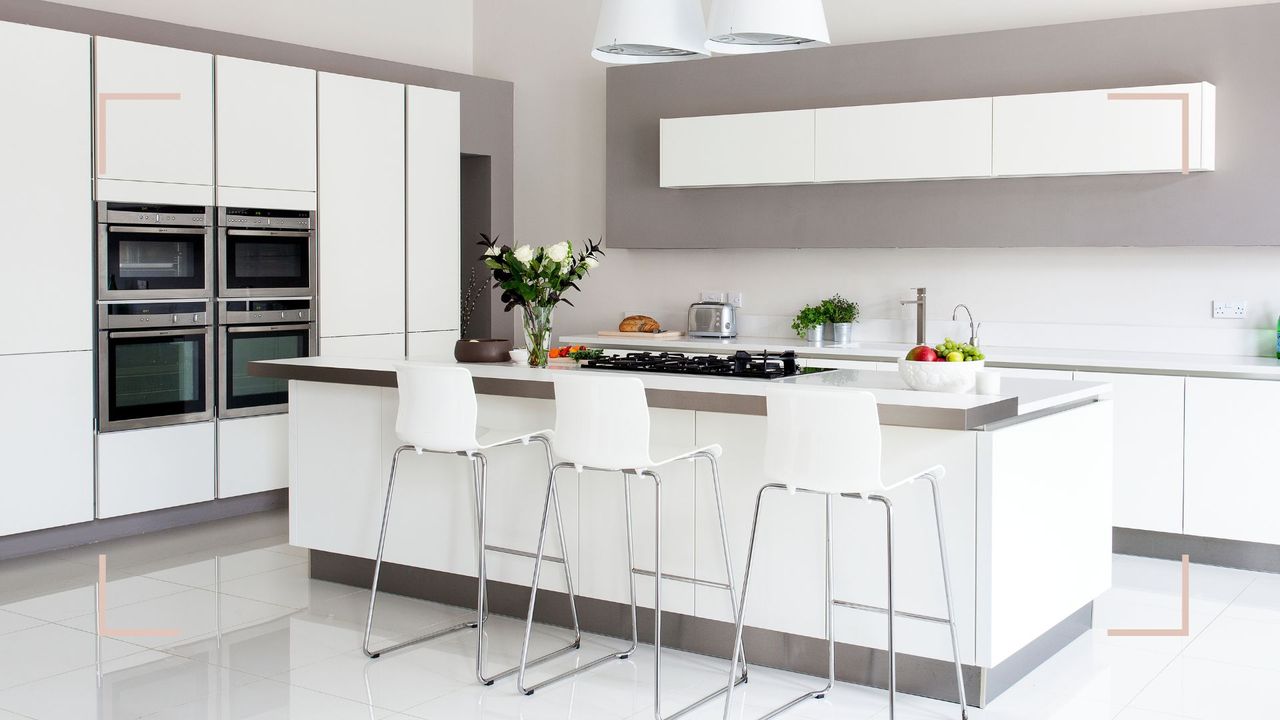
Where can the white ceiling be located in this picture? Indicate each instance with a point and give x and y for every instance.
(857, 21)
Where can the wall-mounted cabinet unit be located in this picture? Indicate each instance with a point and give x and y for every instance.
(433, 223)
(154, 115)
(266, 133)
(362, 207)
(771, 148)
(1125, 130)
(906, 141)
(1148, 449)
(1232, 485)
(46, 225)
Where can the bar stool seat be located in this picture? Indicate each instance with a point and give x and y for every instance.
(826, 441)
(602, 423)
(438, 414)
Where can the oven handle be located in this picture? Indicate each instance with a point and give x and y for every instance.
(269, 233)
(156, 230)
(245, 329)
(156, 333)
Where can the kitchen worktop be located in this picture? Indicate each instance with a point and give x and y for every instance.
(898, 404)
(1242, 366)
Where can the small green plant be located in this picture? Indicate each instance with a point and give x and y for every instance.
(809, 317)
(837, 309)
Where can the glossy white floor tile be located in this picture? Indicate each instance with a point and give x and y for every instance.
(256, 637)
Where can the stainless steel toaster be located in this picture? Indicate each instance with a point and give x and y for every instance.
(713, 319)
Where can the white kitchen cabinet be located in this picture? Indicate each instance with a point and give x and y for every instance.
(1232, 485)
(437, 344)
(266, 125)
(771, 148)
(1034, 373)
(904, 141)
(433, 223)
(1148, 449)
(391, 345)
(362, 206)
(154, 114)
(1089, 132)
(253, 454)
(154, 468)
(46, 440)
(45, 191)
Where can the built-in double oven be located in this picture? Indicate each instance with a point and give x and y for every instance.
(173, 346)
(266, 299)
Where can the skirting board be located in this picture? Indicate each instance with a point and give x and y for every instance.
(797, 653)
(38, 541)
(1203, 550)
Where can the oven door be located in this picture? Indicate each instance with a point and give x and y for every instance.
(148, 378)
(141, 262)
(241, 394)
(265, 263)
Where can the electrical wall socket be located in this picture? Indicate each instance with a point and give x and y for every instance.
(735, 298)
(1230, 309)
(712, 296)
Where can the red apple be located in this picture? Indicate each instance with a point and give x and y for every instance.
(922, 353)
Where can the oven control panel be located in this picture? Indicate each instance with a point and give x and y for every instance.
(257, 312)
(134, 315)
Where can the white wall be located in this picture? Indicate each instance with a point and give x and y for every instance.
(559, 182)
(432, 33)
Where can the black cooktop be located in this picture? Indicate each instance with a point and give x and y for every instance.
(742, 364)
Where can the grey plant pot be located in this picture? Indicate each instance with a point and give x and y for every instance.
(842, 333)
(814, 335)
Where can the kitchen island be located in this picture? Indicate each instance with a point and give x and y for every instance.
(1026, 504)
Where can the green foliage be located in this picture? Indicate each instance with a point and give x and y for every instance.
(538, 277)
(836, 309)
(809, 317)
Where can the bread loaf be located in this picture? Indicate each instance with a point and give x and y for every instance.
(639, 323)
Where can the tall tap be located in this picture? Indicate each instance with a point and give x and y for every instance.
(919, 302)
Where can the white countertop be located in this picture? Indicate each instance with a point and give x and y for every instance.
(1094, 360)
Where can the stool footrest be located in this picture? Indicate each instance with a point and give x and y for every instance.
(705, 698)
(420, 639)
(885, 611)
(683, 579)
(522, 553)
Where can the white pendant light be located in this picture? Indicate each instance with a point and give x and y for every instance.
(649, 31)
(755, 26)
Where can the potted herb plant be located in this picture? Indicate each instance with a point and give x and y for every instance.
(536, 279)
(839, 314)
(809, 322)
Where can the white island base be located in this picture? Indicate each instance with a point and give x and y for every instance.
(1026, 502)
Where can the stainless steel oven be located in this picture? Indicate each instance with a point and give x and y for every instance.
(155, 364)
(154, 251)
(266, 253)
(259, 329)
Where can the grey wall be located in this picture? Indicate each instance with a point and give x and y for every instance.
(486, 105)
(1237, 49)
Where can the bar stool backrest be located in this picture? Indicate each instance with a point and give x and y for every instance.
(437, 408)
(826, 440)
(601, 422)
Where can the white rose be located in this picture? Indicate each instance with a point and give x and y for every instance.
(524, 253)
(492, 251)
(558, 252)
(591, 263)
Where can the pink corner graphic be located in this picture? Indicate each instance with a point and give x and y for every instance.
(102, 613)
(1185, 98)
(103, 99)
(1183, 631)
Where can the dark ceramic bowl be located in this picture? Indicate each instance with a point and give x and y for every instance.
(482, 350)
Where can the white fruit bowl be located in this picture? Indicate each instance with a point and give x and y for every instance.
(947, 377)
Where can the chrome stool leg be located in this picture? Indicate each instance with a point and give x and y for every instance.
(893, 658)
(525, 663)
(377, 571)
(946, 587)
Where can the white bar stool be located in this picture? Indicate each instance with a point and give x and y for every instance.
(827, 442)
(437, 414)
(602, 423)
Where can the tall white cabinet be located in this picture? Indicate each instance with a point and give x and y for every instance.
(433, 220)
(154, 116)
(361, 147)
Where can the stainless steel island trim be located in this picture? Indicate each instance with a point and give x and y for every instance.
(972, 418)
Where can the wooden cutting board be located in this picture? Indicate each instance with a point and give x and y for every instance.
(665, 335)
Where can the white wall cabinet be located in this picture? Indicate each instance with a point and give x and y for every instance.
(433, 223)
(362, 206)
(904, 141)
(154, 468)
(266, 127)
(771, 148)
(45, 191)
(1088, 132)
(1148, 449)
(253, 454)
(1232, 484)
(154, 111)
(46, 439)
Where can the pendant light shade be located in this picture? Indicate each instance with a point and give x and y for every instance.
(649, 31)
(755, 26)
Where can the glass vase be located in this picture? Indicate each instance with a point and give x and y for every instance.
(537, 333)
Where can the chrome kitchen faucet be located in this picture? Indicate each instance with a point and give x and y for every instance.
(919, 302)
(973, 327)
